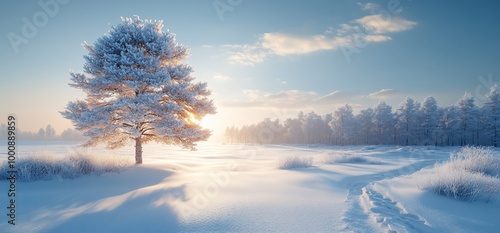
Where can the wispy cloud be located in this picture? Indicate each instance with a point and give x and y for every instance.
(381, 24)
(369, 6)
(383, 94)
(376, 38)
(220, 77)
(245, 54)
(281, 81)
(292, 99)
(283, 44)
(368, 29)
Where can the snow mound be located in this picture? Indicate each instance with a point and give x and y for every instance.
(290, 162)
(46, 166)
(346, 158)
(469, 175)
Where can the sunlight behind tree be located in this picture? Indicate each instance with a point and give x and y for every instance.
(138, 89)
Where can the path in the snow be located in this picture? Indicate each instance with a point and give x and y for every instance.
(370, 211)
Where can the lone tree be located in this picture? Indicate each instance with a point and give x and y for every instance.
(138, 89)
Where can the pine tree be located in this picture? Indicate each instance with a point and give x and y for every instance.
(138, 89)
(449, 124)
(365, 121)
(383, 120)
(407, 119)
(492, 115)
(50, 132)
(293, 130)
(343, 125)
(429, 121)
(467, 119)
(313, 124)
(327, 132)
(41, 134)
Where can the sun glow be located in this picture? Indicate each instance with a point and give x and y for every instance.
(207, 122)
(192, 119)
(204, 122)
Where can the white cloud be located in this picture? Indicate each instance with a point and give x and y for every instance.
(383, 94)
(291, 99)
(369, 6)
(381, 24)
(329, 30)
(245, 54)
(281, 81)
(376, 38)
(347, 29)
(368, 29)
(220, 77)
(282, 44)
(336, 96)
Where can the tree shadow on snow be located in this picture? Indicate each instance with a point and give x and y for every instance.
(138, 200)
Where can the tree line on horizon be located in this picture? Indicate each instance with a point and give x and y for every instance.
(413, 123)
(45, 134)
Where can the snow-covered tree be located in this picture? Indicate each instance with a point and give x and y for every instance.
(293, 130)
(407, 120)
(50, 132)
(139, 89)
(429, 123)
(492, 115)
(41, 134)
(313, 124)
(383, 120)
(342, 125)
(269, 131)
(230, 134)
(365, 121)
(449, 125)
(71, 135)
(327, 132)
(467, 120)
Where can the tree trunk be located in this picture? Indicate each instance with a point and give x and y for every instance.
(138, 150)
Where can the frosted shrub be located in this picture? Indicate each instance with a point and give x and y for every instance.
(289, 162)
(470, 175)
(37, 167)
(460, 184)
(345, 158)
(46, 166)
(476, 159)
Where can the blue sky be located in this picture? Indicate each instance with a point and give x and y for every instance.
(264, 58)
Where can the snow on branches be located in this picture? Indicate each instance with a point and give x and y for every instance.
(138, 88)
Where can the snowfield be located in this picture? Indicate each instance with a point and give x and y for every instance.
(247, 188)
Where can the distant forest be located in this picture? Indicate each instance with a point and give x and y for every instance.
(460, 124)
(44, 134)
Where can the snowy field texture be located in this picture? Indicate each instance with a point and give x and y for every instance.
(247, 188)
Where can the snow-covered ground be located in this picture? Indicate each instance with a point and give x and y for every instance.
(239, 188)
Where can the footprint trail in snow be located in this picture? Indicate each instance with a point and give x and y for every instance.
(370, 211)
